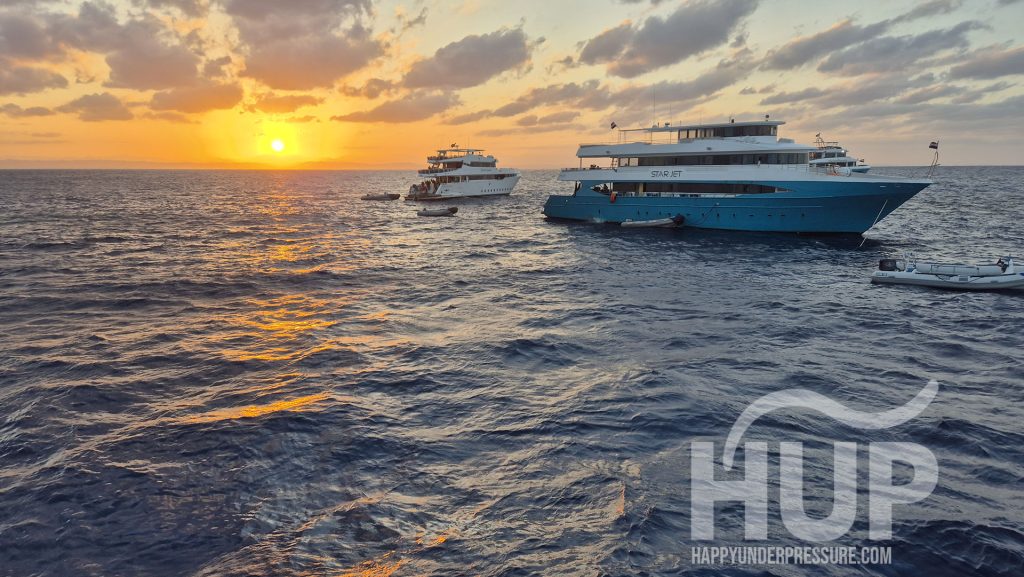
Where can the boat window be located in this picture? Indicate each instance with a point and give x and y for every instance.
(718, 159)
(731, 131)
(695, 188)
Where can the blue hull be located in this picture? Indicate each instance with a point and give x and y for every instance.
(831, 207)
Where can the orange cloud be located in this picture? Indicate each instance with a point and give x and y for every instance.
(98, 108)
(194, 99)
(279, 104)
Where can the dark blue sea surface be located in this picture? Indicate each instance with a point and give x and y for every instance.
(256, 373)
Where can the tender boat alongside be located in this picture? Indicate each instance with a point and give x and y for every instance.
(462, 173)
(450, 211)
(834, 158)
(1001, 275)
(382, 196)
(731, 176)
(675, 221)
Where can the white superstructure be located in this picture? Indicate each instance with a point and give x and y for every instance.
(462, 172)
(835, 158)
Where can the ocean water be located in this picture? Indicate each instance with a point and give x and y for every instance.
(255, 373)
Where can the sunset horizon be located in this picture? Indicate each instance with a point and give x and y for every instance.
(397, 288)
(350, 84)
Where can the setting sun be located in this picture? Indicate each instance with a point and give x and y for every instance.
(336, 85)
(373, 288)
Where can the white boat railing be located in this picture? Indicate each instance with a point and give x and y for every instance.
(704, 168)
(798, 168)
(699, 169)
(673, 140)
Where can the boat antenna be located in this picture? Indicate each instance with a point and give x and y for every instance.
(654, 105)
(934, 145)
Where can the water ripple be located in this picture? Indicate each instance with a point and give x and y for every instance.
(241, 373)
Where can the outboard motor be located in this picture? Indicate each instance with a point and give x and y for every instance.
(887, 264)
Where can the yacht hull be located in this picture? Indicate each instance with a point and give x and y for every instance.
(471, 189)
(808, 207)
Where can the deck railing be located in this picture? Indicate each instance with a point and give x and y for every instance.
(672, 139)
(701, 167)
(826, 170)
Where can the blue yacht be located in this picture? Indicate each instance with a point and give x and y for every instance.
(732, 176)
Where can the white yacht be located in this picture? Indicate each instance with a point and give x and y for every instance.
(462, 172)
(830, 156)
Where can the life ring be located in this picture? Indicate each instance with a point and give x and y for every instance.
(612, 197)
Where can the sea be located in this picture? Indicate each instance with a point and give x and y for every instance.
(232, 373)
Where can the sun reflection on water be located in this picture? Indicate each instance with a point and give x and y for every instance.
(252, 411)
(381, 567)
(386, 564)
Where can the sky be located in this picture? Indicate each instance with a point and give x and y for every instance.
(356, 84)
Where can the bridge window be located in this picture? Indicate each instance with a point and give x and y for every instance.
(717, 159)
(693, 188)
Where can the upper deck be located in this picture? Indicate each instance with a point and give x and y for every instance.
(692, 139)
(455, 161)
(452, 154)
(714, 130)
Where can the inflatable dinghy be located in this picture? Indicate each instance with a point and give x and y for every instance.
(1001, 275)
(673, 222)
(450, 211)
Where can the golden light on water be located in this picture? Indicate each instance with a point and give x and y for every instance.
(383, 567)
(252, 411)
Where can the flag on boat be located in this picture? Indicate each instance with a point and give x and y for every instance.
(934, 144)
(613, 126)
(454, 145)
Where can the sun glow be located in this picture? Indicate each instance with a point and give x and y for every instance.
(247, 139)
(277, 145)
